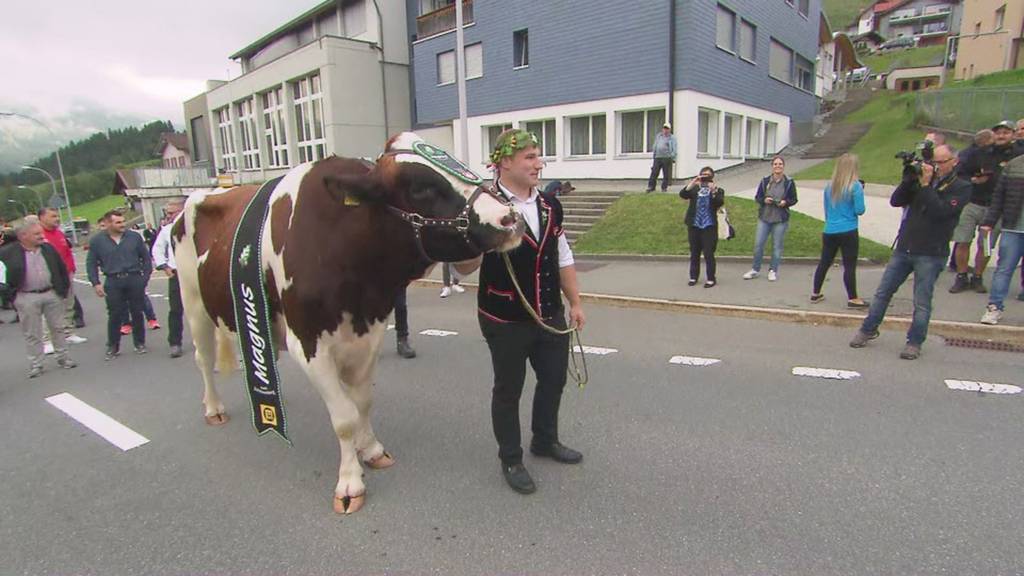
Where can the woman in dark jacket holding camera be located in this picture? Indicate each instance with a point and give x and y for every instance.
(702, 222)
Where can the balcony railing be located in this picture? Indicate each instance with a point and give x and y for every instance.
(194, 177)
(443, 20)
(930, 12)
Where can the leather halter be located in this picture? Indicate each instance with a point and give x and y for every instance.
(460, 223)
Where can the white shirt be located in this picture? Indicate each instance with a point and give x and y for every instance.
(163, 252)
(528, 210)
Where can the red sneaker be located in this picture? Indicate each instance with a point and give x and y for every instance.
(153, 325)
(126, 329)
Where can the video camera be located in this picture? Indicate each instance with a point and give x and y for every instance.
(912, 161)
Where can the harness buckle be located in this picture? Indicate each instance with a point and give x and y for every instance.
(415, 220)
(461, 223)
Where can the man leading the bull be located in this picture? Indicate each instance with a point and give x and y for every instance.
(544, 269)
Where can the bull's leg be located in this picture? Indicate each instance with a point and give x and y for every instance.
(358, 377)
(204, 336)
(350, 492)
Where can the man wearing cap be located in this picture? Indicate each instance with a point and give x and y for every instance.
(984, 169)
(664, 156)
(544, 269)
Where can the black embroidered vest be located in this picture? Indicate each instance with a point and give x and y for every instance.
(536, 264)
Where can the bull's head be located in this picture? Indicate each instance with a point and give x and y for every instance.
(455, 215)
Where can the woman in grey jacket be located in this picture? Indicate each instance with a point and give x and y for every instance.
(776, 194)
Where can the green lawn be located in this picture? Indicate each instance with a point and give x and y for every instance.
(1006, 78)
(96, 208)
(841, 13)
(893, 130)
(909, 58)
(653, 224)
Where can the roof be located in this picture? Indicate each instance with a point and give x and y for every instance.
(177, 139)
(293, 23)
(869, 35)
(883, 6)
(124, 180)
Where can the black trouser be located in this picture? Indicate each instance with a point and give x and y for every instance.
(663, 165)
(511, 345)
(401, 315)
(147, 309)
(79, 314)
(849, 244)
(125, 291)
(174, 315)
(702, 241)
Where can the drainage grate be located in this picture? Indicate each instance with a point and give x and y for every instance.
(985, 345)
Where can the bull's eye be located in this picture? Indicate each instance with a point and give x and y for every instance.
(420, 194)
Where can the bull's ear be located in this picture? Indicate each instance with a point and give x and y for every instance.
(354, 188)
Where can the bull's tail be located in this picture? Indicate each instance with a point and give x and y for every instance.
(226, 359)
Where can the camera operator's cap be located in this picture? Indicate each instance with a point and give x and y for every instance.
(1005, 124)
(667, 125)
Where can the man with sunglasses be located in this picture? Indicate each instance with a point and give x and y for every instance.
(934, 198)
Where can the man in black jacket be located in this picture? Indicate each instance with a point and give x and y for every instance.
(933, 201)
(36, 276)
(544, 268)
(1008, 206)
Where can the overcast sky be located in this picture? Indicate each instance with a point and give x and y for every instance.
(82, 67)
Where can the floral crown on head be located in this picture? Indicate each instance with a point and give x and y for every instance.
(511, 141)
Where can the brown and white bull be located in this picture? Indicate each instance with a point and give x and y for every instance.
(340, 243)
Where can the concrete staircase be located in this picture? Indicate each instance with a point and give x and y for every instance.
(583, 209)
(842, 136)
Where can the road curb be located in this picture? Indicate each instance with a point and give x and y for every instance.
(802, 260)
(1010, 335)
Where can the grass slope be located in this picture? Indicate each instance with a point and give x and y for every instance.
(910, 58)
(1013, 78)
(653, 224)
(96, 208)
(892, 131)
(842, 13)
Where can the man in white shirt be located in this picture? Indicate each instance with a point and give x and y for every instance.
(163, 260)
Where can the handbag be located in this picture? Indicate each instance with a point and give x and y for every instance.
(726, 232)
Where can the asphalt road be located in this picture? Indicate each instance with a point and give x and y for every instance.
(735, 468)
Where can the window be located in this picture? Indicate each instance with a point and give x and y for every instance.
(753, 149)
(771, 132)
(353, 18)
(707, 132)
(804, 74)
(731, 135)
(248, 135)
(199, 138)
(804, 7)
(229, 161)
(748, 41)
(544, 130)
(309, 118)
(726, 33)
(446, 68)
(587, 135)
(638, 129)
(474, 61)
(492, 133)
(780, 62)
(273, 128)
(1000, 17)
(521, 48)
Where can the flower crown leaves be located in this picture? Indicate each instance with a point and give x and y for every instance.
(510, 142)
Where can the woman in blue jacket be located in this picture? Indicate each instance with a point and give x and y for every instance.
(844, 203)
(776, 194)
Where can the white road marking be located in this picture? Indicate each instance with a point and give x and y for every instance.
(442, 333)
(595, 350)
(86, 282)
(154, 295)
(693, 361)
(111, 430)
(825, 373)
(971, 386)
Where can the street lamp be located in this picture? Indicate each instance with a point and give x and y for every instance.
(60, 168)
(39, 199)
(53, 184)
(19, 203)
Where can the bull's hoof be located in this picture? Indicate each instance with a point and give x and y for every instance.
(381, 462)
(349, 504)
(217, 419)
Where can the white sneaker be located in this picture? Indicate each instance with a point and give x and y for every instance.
(772, 276)
(76, 339)
(47, 347)
(446, 292)
(458, 288)
(992, 315)
(751, 275)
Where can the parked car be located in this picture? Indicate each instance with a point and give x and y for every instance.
(858, 74)
(901, 43)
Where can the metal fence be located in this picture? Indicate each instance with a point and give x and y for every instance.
(968, 110)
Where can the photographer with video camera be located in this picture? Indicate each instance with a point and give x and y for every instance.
(983, 168)
(934, 196)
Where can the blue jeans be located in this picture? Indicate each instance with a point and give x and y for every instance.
(778, 232)
(1011, 249)
(926, 271)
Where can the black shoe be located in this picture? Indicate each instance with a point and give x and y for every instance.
(691, 282)
(518, 478)
(404, 349)
(978, 284)
(111, 353)
(141, 349)
(649, 190)
(557, 452)
(176, 351)
(79, 323)
(960, 284)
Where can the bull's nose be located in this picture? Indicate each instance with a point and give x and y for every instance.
(509, 219)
